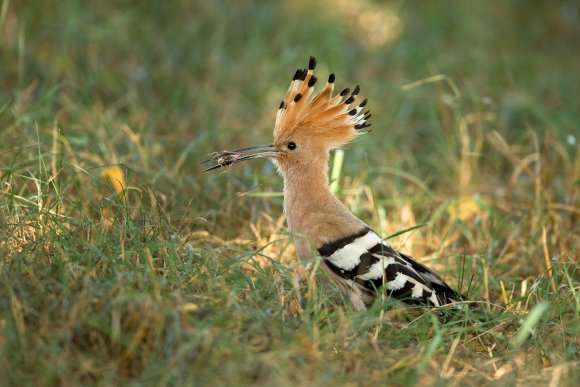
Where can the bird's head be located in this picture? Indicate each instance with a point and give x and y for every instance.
(307, 125)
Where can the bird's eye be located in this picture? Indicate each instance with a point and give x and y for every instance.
(292, 145)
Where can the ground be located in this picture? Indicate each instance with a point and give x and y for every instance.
(121, 262)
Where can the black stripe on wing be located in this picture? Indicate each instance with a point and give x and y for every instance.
(445, 293)
(394, 272)
(366, 260)
(384, 249)
(330, 248)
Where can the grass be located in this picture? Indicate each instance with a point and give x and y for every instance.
(120, 262)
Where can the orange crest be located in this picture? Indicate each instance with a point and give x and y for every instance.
(331, 117)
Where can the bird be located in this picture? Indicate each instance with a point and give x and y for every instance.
(307, 128)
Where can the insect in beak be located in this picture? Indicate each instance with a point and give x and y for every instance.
(225, 158)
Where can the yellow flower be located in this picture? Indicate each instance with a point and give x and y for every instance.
(114, 175)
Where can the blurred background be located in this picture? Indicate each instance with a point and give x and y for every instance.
(465, 96)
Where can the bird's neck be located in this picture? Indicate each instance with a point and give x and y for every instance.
(307, 196)
(314, 215)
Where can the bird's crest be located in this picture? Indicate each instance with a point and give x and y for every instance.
(337, 117)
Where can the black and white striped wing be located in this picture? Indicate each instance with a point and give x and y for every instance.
(366, 261)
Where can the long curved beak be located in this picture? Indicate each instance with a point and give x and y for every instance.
(224, 159)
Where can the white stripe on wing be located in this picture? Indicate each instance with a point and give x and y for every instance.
(348, 257)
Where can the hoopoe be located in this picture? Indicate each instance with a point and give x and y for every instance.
(307, 127)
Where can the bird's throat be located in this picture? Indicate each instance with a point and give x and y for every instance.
(306, 192)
